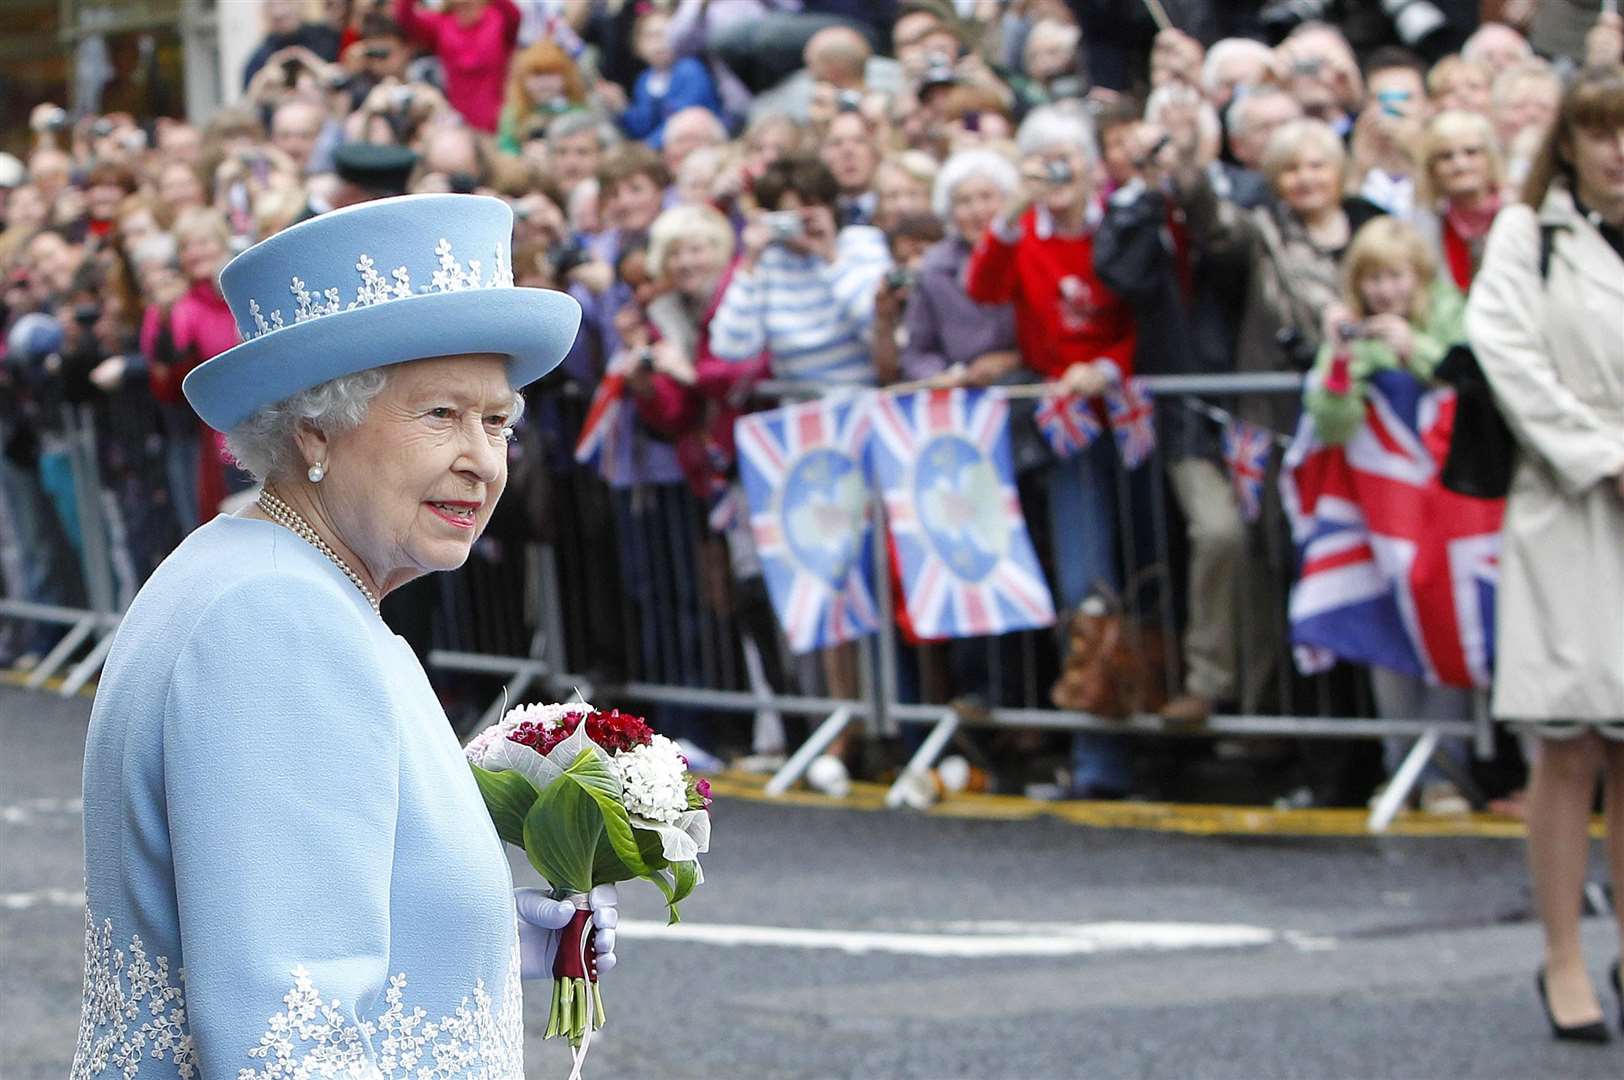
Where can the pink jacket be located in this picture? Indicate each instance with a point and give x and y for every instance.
(475, 56)
(201, 328)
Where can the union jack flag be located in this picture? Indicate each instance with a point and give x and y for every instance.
(808, 495)
(1396, 570)
(1067, 422)
(1133, 421)
(1246, 451)
(942, 459)
(602, 419)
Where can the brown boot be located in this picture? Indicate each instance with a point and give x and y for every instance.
(1187, 709)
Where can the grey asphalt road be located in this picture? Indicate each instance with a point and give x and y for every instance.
(1401, 958)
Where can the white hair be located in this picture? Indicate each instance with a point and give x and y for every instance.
(1179, 94)
(264, 444)
(965, 165)
(1236, 115)
(1472, 48)
(1222, 52)
(1050, 127)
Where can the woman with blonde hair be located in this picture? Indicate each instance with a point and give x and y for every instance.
(1460, 185)
(542, 82)
(1543, 319)
(902, 187)
(1397, 313)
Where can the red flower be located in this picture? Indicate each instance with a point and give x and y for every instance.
(614, 730)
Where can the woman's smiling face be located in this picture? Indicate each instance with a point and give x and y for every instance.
(412, 487)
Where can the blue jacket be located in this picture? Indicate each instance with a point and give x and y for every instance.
(690, 84)
(286, 856)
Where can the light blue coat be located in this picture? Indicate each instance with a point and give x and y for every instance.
(289, 870)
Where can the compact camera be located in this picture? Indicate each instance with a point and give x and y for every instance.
(783, 225)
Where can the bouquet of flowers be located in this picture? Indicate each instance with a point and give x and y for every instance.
(593, 798)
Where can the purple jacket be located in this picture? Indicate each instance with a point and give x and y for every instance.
(946, 327)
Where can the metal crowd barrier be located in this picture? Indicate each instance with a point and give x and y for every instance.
(625, 595)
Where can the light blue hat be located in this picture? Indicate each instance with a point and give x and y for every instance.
(379, 283)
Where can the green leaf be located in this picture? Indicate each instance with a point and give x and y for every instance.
(608, 867)
(561, 834)
(508, 797)
(592, 774)
(687, 872)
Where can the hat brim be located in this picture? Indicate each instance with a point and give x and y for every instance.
(534, 328)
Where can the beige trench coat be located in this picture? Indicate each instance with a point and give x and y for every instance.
(1554, 353)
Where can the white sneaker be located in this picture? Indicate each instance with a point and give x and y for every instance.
(828, 776)
(1443, 797)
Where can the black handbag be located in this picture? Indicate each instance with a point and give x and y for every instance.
(1482, 450)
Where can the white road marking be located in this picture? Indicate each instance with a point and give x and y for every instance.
(22, 901)
(962, 940)
(973, 939)
(19, 812)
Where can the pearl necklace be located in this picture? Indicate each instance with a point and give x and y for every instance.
(289, 518)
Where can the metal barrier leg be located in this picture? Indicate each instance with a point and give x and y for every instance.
(802, 759)
(64, 649)
(85, 669)
(1403, 782)
(924, 757)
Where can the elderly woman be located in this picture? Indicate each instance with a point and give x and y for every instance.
(1543, 321)
(1459, 190)
(1038, 256)
(274, 801)
(1293, 248)
(945, 328)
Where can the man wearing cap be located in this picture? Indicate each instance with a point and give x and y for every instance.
(361, 172)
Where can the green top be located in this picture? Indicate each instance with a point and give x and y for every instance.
(1338, 416)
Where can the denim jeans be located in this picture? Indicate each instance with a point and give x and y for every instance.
(1085, 524)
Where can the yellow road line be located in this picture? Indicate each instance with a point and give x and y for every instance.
(1194, 819)
(1189, 818)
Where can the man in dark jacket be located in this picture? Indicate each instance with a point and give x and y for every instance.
(1140, 253)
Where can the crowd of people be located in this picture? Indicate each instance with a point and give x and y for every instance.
(952, 192)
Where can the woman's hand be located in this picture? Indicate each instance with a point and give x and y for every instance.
(990, 367)
(1395, 331)
(610, 96)
(1604, 44)
(541, 918)
(754, 240)
(1088, 378)
(1336, 316)
(594, 275)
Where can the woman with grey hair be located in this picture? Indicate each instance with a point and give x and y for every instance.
(945, 329)
(1038, 256)
(274, 802)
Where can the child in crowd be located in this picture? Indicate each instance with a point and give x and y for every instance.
(1398, 314)
(668, 86)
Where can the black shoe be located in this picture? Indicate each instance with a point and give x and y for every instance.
(1618, 992)
(1593, 1032)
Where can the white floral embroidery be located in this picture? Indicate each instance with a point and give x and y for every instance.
(451, 276)
(311, 1037)
(121, 986)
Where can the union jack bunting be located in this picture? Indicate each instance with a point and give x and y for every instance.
(1067, 422)
(1132, 420)
(602, 419)
(1396, 570)
(942, 460)
(808, 495)
(1246, 451)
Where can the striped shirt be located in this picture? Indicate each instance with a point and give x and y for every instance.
(813, 318)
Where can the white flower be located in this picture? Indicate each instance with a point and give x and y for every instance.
(653, 780)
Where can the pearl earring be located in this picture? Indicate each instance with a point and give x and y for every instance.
(316, 472)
